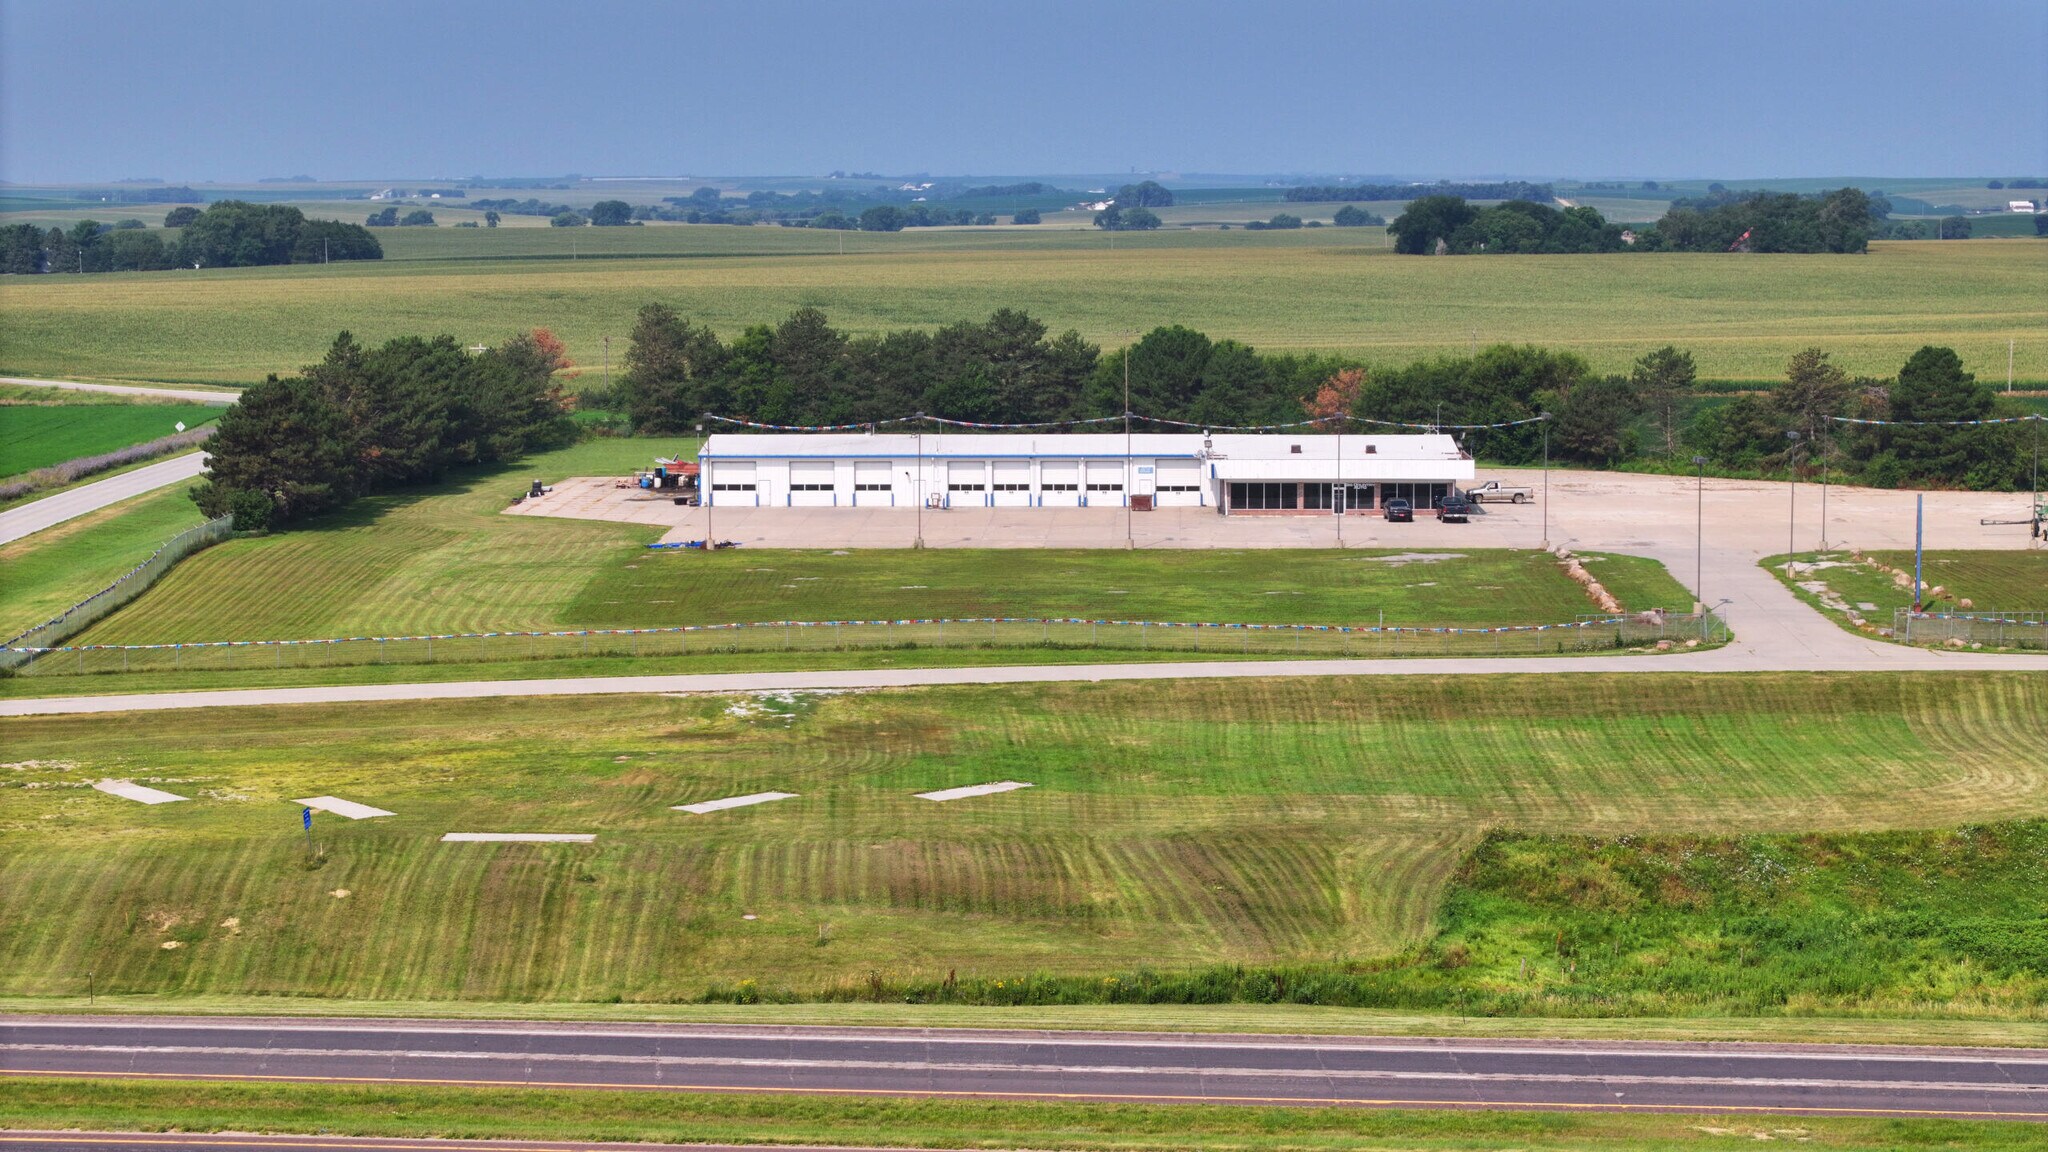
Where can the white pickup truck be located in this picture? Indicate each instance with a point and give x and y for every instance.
(1492, 492)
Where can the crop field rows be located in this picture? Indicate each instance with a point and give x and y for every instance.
(1213, 822)
(1321, 289)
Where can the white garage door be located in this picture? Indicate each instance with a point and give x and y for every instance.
(1177, 484)
(1105, 483)
(810, 484)
(732, 483)
(874, 484)
(1059, 483)
(1010, 483)
(966, 484)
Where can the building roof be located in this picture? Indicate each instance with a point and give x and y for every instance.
(1308, 449)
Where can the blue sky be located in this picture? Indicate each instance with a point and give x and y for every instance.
(234, 90)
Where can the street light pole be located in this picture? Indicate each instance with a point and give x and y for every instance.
(917, 489)
(1792, 498)
(1129, 465)
(1699, 549)
(1827, 445)
(1546, 480)
(1337, 489)
(704, 490)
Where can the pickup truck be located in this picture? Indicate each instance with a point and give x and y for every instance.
(1453, 510)
(1492, 492)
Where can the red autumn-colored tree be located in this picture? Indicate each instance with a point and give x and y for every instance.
(1337, 395)
(549, 349)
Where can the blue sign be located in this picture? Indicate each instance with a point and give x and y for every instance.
(306, 818)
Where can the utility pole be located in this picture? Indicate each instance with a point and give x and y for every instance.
(1699, 564)
(704, 490)
(607, 367)
(1792, 501)
(1546, 480)
(1337, 489)
(917, 487)
(2008, 365)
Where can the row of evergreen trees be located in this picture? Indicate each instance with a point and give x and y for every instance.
(367, 420)
(1009, 369)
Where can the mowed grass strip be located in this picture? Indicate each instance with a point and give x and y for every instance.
(1172, 825)
(44, 573)
(36, 436)
(692, 1118)
(1329, 289)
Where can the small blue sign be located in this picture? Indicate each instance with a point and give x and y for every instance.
(306, 818)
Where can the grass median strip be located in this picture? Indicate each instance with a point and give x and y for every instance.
(680, 1117)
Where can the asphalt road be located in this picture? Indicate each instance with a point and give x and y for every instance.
(36, 515)
(192, 395)
(1162, 1068)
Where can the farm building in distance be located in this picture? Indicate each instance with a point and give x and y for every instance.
(1230, 473)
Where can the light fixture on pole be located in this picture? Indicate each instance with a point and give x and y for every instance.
(704, 488)
(1792, 496)
(1129, 539)
(1699, 550)
(1544, 417)
(1337, 489)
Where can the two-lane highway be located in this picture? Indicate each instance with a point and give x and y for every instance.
(1162, 1068)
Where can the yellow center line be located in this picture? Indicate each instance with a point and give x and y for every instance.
(1159, 1098)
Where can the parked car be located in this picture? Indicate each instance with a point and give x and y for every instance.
(1398, 511)
(1492, 492)
(1453, 510)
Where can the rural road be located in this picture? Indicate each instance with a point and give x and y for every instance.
(36, 515)
(245, 1141)
(1164, 1068)
(192, 395)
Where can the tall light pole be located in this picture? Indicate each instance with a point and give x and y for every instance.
(917, 488)
(1792, 497)
(1337, 489)
(1545, 417)
(704, 490)
(1130, 540)
(1827, 446)
(1699, 548)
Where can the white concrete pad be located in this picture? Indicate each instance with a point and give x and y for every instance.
(733, 802)
(339, 807)
(518, 838)
(945, 794)
(137, 792)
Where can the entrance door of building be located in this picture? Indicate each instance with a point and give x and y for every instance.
(1355, 497)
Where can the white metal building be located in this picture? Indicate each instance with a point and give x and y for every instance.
(1267, 474)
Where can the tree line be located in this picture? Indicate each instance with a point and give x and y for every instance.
(1010, 369)
(1843, 220)
(367, 420)
(1498, 190)
(227, 234)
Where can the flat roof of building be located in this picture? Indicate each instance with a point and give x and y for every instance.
(1319, 447)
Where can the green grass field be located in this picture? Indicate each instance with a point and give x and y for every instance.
(1993, 581)
(445, 559)
(1172, 826)
(689, 1118)
(43, 574)
(1334, 289)
(36, 436)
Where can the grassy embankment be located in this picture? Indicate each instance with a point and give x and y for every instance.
(686, 1118)
(1305, 830)
(446, 559)
(1326, 289)
(42, 574)
(1993, 581)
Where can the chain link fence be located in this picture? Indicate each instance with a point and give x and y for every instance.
(1587, 634)
(2027, 630)
(22, 650)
